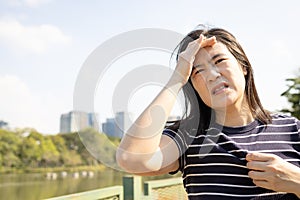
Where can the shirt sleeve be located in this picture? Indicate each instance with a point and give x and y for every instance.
(181, 144)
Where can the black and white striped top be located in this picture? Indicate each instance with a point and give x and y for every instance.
(213, 165)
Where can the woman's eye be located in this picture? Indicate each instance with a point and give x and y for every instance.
(219, 60)
(198, 71)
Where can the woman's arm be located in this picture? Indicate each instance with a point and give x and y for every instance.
(143, 149)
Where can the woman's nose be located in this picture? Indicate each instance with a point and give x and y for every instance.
(213, 73)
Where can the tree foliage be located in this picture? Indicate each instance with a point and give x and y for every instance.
(10, 144)
(293, 96)
(26, 148)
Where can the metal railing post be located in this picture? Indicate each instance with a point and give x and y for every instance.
(132, 186)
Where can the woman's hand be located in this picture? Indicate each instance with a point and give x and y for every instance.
(186, 58)
(272, 172)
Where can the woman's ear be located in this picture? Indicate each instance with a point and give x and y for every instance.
(245, 72)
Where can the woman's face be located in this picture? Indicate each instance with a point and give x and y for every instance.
(218, 77)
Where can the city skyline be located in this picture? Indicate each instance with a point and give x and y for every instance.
(75, 121)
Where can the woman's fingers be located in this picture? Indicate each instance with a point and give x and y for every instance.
(256, 165)
(208, 42)
(194, 46)
(260, 156)
(187, 57)
(272, 172)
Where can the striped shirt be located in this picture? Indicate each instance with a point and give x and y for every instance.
(213, 165)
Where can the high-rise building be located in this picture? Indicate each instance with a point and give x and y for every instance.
(77, 120)
(116, 127)
(109, 128)
(3, 124)
(123, 121)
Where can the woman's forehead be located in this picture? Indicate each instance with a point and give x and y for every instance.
(207, 53)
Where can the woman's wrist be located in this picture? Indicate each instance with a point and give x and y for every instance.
(175, 84)
(295, 185)
(177, 78)
(296, 190)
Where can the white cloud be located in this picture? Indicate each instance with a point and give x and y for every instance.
(29, 3)
(35, 3)
(31, 39)
(21, 107)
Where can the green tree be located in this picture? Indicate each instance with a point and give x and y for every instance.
(27, 148)
(72, 157)
(9, 149)
(62, 149)
(31, 152)
(293, 96)
(50, 155)
(100, 146)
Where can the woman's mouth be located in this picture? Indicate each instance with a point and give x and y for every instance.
(220, 88)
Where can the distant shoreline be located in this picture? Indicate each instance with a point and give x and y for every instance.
(97, 168)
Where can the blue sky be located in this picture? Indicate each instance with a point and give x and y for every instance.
(43, 44)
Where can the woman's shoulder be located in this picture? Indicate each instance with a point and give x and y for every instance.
(278, 115)
(283, 118)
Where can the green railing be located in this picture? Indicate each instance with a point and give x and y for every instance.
(165, 189)
(115, 192)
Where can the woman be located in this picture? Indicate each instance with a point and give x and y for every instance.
(227, 146)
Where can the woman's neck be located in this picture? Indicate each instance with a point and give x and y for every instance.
(233, 116)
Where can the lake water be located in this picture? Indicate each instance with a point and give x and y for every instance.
(37, 186)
